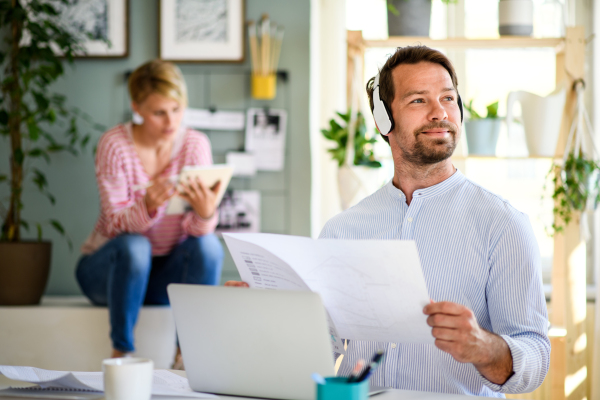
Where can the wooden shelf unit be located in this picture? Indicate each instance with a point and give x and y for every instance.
(568, 300)
(466, 43)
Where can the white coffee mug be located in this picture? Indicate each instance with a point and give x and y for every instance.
(127, 378)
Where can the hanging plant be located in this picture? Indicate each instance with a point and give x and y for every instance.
(575, 183)
(576, 180)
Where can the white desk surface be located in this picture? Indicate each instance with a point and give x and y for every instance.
(392, 394)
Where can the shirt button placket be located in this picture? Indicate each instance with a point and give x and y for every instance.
(393, 354)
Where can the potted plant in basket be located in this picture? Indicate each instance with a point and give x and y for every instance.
(482, 132)
(354, 178)
(410, 17)
(30, 117)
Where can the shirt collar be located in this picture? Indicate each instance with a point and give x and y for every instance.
(455, 179)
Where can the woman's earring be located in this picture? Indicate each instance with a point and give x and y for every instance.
(137, 118)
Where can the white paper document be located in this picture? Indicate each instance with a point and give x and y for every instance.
(265, 137)
(164, 383)
(373, 290)
(244, 164)
(214, 120)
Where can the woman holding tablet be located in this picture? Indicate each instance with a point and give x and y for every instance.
(136, 249)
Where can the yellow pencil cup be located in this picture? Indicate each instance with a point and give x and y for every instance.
(264, 87)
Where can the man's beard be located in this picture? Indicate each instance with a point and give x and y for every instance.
(431, 151)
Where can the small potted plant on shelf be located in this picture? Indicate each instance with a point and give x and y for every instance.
(37, 125)
(356, 179)
(482, 132)
(410, 17)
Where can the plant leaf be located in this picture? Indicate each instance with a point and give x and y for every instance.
(39, 232)
(39, 179)
(34, 130)
(3, 117)
(59, 228)
(492, 110)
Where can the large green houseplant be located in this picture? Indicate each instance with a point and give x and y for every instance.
(37, 124)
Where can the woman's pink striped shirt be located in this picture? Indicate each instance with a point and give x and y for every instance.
(122, 208)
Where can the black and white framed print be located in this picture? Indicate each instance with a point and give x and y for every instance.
(201, 30)
(102, 24)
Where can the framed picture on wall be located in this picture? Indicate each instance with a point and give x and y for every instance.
(201, 30)
(103, 25)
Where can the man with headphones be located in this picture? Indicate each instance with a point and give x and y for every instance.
(479, 255)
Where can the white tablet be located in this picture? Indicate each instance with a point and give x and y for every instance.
(209, 174)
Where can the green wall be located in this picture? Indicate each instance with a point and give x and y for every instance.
(98, 88)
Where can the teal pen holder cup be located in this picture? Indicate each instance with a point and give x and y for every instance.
(338, 388)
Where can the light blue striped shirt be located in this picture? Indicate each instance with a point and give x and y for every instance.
(475, 250)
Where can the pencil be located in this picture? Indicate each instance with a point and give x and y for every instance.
(265, 43)
(253, 48)
(277, 47)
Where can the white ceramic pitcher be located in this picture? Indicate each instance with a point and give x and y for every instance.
(541, 117)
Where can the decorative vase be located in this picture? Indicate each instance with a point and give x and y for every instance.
(482, 136)
(413, 19)
(24, 269)
(541, 118)
(355, 183)
(515, 17)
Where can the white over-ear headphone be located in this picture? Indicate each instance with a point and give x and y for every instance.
(383, 115)
(383, 118)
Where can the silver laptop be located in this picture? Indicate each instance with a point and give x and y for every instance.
(251, 342)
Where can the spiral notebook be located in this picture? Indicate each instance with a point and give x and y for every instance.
(37, 392)
(85, 385)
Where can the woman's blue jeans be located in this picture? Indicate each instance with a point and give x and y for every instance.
(123, 275)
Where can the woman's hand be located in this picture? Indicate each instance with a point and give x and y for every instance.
(161, 190)
(202, 199)
(236, 284)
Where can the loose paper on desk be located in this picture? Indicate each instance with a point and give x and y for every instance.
(373, 290)
(164, 383)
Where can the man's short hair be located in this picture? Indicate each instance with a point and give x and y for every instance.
(406, 55)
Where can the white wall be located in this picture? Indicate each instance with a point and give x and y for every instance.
(327, 95)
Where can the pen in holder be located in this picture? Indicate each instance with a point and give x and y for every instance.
(265, 46)
(338, 388)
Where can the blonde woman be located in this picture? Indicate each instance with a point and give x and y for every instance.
(136, 250)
